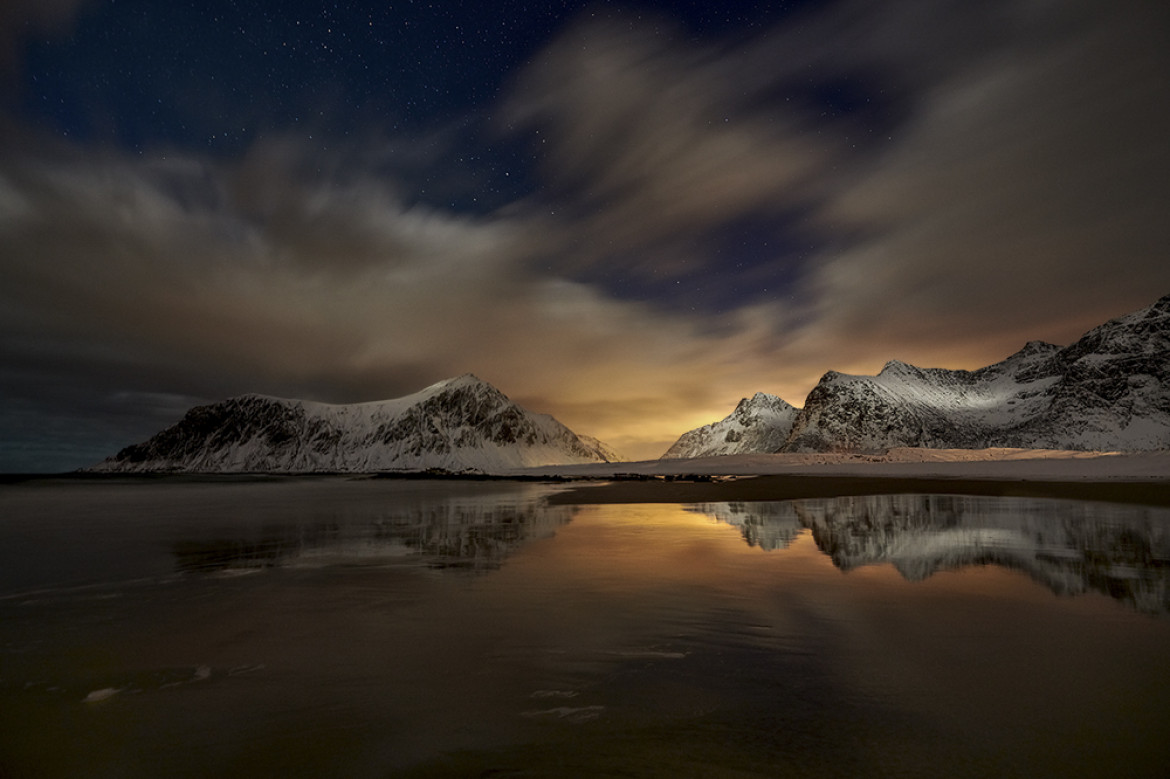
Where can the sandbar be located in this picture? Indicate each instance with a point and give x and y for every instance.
(1142, 477)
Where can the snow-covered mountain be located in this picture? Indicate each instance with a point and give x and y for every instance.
(760, 423)
(1109, 391)
(457, 424)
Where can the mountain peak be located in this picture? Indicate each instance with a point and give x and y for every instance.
(458, 382)
(761, 401)
(897, 367)
(1034, 353)
(252, 396)
(759, 423)
(455, 424)
(1106, 391)
(466, 379)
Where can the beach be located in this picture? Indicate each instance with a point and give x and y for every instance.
(1135, 477)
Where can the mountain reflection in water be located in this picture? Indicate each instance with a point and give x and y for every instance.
(1071, 547)
(443, 534)
(430, 628)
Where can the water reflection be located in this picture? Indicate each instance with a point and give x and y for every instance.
(442, 534)
(641, 640)
(1071, 547)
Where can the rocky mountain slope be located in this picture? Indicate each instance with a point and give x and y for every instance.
(760, 423)
(1108, 391)
(457, 424)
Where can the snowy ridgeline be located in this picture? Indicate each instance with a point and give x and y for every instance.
(759, 424)
(458, 424)
(1108, 391)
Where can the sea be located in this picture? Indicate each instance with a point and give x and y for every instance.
(359, 627)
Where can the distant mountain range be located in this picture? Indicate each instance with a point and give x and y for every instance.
(1108, 391)
(458, 424)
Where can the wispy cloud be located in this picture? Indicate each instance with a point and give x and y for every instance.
(650, 143)
(1017, 191)
(243, 276)
(1023, 196)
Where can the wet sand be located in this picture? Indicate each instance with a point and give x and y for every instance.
(791, 487)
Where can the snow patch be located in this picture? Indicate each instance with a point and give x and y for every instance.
(103, 694)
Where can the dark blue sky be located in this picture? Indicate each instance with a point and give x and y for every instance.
(220, 71)
(627, 214)
(217, 77)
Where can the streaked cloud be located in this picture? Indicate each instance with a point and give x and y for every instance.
(1023, 197)
(650, 146)
(1017, 191)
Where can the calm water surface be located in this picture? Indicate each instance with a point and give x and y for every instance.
(392, 628)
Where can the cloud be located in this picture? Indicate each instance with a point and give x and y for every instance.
(1023, 197)
(1016, 190)
(649, 145)
(129, 276)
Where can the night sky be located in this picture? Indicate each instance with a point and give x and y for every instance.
(627, 215)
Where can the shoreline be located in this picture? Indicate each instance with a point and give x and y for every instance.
(1130, 477)
(1005, 464)
(780, 487)
(683, 487)
(1118, 477)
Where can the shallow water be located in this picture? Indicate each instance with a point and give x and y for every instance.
(393, 628)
